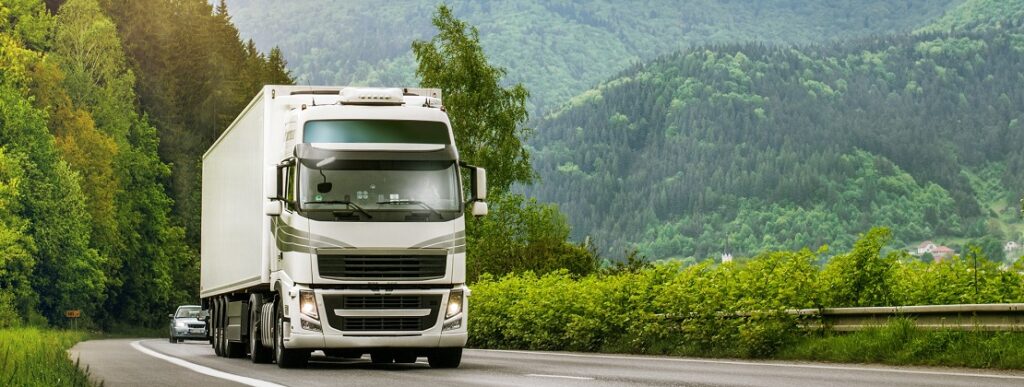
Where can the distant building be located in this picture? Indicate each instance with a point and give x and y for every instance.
(726, 257)
(942, 252)
(926, 247)
(1011, 246)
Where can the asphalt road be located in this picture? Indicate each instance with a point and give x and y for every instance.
(151, 362)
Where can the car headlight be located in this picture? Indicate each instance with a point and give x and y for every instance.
(454, 304)
(307, 304)
(180, 324)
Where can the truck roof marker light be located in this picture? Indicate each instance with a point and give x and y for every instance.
(371, 96)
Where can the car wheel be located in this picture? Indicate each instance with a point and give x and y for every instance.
(172, 340)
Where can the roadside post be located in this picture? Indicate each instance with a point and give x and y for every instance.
(73, 314)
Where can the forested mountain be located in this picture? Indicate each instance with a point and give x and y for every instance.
(972, 15)
(555, 48)
(86, 220)
(763, 147)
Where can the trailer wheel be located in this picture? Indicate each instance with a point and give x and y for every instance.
(286, 358)
(222, 312)
(445, 358)
(257, 352)
(215, 328)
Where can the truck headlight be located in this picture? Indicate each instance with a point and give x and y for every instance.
(454, 303)
(307, 304)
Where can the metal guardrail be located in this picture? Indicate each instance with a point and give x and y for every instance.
(985, 317)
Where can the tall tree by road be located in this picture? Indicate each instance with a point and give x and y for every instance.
(487, 118)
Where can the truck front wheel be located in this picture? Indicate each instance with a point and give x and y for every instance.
(258, 352)
(445, 358)
(286, 358)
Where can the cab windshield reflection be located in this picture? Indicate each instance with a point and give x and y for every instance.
(370, 186)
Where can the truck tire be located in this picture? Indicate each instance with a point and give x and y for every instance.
(286, 358)
(445, 358)
(257, 352)
(222, 322)
(215, 331)
(382, 357)
(405, 357)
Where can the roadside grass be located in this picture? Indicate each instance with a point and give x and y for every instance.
(38, 357)
(900, 343)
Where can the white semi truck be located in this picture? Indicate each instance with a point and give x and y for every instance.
(332, 219)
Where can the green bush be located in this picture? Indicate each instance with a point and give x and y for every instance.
(736, 310)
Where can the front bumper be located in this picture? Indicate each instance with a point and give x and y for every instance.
(314, 340)
(434, 336)
(186, 333)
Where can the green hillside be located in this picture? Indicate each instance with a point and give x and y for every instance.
(979, 14)
(766, 148)
(556, 48)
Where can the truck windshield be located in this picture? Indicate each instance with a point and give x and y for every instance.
(382, 190)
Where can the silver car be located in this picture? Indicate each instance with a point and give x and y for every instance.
(187, 324)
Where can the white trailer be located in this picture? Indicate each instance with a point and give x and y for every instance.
(332, 219)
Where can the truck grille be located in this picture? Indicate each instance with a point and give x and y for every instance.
(382, 324)
(382, 302)
(395, 267)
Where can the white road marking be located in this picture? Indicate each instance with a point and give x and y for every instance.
(559, 376)
(203, 370)
(750, 363)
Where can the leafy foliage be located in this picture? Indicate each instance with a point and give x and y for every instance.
(190, 89)
(486, 118)
(979, 15)
(522, 235)
(717, 310)
(85, 219)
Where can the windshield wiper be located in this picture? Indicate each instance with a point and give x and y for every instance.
(345, 202)
(416, 202)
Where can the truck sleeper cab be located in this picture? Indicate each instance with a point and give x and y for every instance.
(359, 243)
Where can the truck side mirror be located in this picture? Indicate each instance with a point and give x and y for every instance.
(272, 208)
(478, 189)
(479, 184)
(479, 208)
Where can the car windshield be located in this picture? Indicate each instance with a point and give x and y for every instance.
(192, 311)
(381, 185)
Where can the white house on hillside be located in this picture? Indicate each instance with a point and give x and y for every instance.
(926, 247)
(1011, 246)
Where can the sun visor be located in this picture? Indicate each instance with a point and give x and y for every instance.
(314, 157)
